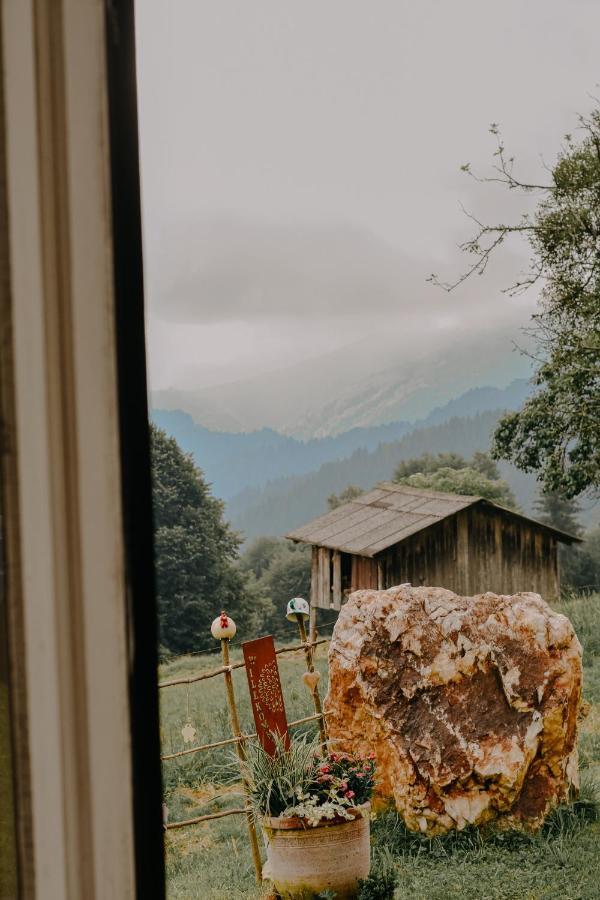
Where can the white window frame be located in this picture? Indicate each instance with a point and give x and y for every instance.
(67, 532)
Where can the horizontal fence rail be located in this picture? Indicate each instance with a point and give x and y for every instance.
(237, 740)
(220, 815)
(202, 676)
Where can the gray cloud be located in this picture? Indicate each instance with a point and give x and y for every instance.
(239, 269)
(300, 169)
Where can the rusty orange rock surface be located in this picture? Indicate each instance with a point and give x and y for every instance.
(471, 704)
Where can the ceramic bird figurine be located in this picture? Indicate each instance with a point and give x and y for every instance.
(223, 627)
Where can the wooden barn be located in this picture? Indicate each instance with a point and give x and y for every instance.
(395, 534)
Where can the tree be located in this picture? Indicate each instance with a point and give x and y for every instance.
(554, 509)
(463, 481)
(258, 556)
(427, 463)
(454, 474)
(556, 432)
(281, 570)
(195, 550)
(349, 493)
(581, 569)
(484, 463)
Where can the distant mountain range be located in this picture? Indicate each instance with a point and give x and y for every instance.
(236, 462)
(392, 378)
(272, 482)
(289, 502)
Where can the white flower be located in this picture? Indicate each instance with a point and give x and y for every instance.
(314, 812)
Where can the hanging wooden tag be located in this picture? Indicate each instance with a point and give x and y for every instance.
(266, 695)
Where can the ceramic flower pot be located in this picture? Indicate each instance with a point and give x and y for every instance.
(304, 860)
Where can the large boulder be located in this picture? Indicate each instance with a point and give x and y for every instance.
(471, 704)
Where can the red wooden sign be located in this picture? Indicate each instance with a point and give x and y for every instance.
(265, 692)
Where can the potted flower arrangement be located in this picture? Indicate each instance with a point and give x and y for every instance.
(314, 811)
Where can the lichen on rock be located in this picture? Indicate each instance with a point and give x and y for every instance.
(471, 704)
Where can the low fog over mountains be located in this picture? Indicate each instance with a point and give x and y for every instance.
(369, 383)
(315, 329)
(273, 482)
(320, 398)
(236, 462)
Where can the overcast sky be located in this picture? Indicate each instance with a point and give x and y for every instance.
(300, 166)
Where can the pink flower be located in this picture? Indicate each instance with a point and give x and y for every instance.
(349, 794)
(343, 785)
(360, 774)
(324, 769)
(371, 756)
(334, 757)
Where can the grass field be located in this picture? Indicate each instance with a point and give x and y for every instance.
(212, 861)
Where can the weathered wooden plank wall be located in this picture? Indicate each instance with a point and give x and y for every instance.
(336, 595)
(474, 551)
(320, 582)
(431, 557)
(314, 578)
(512, 555)
(364, 573)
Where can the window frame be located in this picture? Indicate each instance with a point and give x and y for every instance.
(75, 468)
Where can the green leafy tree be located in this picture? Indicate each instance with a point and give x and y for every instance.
(556, 432)
(581, 568)
(280, 570)
(561, 512)
(288, 575)
(553, 508)
(349, 493)
(429, 462)
(454, 474)
(463, 481)
(484, 463)
(195, 551)
(258, 555)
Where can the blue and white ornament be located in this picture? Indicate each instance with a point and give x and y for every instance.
(297, 607)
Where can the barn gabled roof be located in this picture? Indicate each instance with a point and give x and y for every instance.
(391, 512)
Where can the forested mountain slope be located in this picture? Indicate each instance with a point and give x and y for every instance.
(286, 503)
(233, 462)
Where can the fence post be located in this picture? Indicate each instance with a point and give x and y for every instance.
(295, 611)
(223, 629)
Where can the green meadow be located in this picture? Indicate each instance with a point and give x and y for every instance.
(211, 861)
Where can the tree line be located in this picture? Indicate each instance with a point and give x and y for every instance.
(200, 569)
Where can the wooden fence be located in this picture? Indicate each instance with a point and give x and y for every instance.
(238, 739)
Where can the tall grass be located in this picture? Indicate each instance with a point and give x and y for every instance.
(274, 780)
(583, 610)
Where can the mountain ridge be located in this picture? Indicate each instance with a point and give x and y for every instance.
(376, 381)
(287, 503)
(234, 461)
